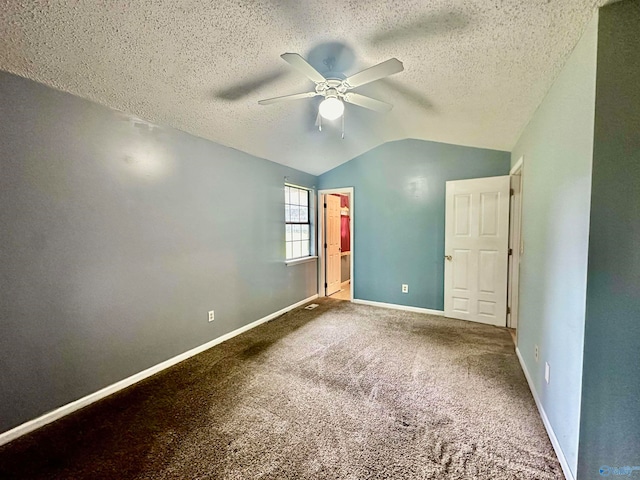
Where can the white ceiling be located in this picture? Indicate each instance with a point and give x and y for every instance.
(475, 70)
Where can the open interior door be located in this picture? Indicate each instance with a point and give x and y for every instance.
(332, 241)
(476, 249)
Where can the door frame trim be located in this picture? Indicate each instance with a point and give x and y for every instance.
(516, 170)
(321, 253)
(517, 167)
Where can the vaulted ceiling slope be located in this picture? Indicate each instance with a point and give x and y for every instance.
(475, 70)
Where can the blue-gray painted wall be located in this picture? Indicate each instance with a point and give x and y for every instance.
(399, 191)
(610, 424)
(557, 146)
(117, 238)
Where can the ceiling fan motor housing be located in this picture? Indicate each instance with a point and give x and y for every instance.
(331, 88)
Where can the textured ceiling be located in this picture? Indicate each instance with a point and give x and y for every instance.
(475, 70)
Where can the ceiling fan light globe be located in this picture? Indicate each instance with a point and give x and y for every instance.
(331, 108)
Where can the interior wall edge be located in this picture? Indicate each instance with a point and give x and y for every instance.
(545, 420)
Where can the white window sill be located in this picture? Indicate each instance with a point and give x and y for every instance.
(296, 261)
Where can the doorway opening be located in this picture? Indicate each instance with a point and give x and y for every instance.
(335, 243)
(483, 247)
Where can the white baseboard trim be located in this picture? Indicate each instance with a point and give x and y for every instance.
(60, 412)
(545, 420)
(395, 306)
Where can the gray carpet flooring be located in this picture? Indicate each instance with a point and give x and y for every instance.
(344, 391)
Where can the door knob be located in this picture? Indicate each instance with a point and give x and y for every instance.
(448, 257)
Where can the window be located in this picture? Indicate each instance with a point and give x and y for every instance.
(298, 228)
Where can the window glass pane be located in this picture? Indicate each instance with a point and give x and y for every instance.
(304, 229)
(289, 250)
(295, 213)
(288, 237)
(293, 197)
(287, 213)
(296, 232)
(305, 249)
(304, 197)
(297, 249)
(304, 214)
(286, 194)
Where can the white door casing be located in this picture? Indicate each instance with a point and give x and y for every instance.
(321, 230)
(476, 247)
(515, 222)
(332, 240)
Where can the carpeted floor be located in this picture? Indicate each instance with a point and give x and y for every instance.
(344, 391)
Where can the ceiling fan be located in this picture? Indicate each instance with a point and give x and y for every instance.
(335, 90)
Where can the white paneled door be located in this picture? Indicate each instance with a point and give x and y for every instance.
(332, 240)
(476, 250)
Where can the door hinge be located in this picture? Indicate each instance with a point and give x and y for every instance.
(325, 205)
(511, 192)
(325, 285)
(325, 246)
(511, 251)
(508, 310)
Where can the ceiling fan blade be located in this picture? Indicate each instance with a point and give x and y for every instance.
(295, 96)
(300, 64)
(384, 69)
(367, 102)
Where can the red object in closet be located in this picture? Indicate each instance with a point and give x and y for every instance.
(345, 235)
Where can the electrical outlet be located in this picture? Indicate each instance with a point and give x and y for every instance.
(211, 315)
(536, 353)
(546, 371)
(405, 288)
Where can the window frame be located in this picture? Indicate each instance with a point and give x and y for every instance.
(290, 222)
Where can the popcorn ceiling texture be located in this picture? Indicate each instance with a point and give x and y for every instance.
(475, 70)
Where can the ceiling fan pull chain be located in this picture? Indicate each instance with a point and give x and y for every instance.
(343, 126)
